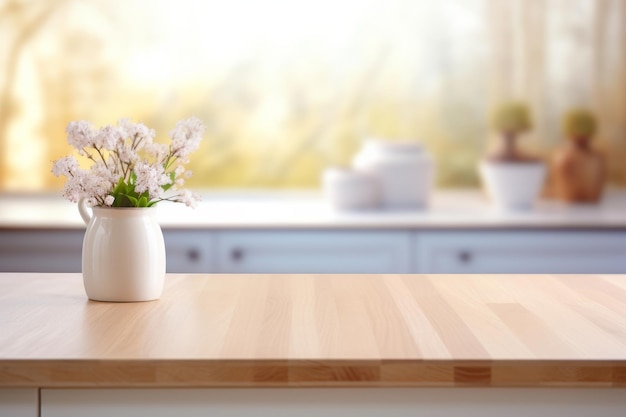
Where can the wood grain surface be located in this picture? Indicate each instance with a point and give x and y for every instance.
(318, 330)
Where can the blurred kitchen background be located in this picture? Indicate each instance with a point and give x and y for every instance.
(287, 88)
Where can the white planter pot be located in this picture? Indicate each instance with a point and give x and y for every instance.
(123, 254)
(513, 185)
(404, 172)
(348, 190)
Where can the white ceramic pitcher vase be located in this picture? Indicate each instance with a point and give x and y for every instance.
(123, 254)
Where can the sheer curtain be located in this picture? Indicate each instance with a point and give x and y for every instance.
(556, 54)
(287, 88)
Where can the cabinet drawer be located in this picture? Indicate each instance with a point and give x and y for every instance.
(19, 402)
(189, 251)
(314, 252)
(41, 251)
(559, 252)
(334, 402)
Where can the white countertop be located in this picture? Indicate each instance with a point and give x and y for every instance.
(262, 210)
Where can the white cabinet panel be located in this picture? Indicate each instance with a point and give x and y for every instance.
(19, 403)
(562, 252)
(342, 251)
(314, 252)
(41, 250)
(338, 402)
(189, 251)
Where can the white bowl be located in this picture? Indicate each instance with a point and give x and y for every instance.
(513, 185)
(346, 189)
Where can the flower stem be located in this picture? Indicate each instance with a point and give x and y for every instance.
(101, 156)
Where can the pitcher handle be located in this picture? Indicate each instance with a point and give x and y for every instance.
(84, 210)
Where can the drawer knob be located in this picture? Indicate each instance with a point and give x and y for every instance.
(237, 254)
(465, 256)
(193, 255)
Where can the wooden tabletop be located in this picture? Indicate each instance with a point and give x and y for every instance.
(318, 330)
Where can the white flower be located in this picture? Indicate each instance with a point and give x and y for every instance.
(138, 133)
(108, 137)
(165, 179)
(83, 183)
(106, 172)
(127, 154)
(65, 166)
(126, 162)
(80, 135)
(190, 199)
(186, 137)
(72, 190)
(150, 178)
(157, 150)
(180, 174)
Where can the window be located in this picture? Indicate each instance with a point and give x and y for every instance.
(289, 87)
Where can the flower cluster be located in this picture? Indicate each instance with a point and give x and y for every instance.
(128, 168)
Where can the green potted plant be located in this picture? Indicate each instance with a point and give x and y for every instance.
(513, 179)
(579, 171)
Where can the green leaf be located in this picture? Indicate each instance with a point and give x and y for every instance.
(121, 200)
(119, 194)
(120, 188)
(168, 186)
(143, 202)
(133, 200)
